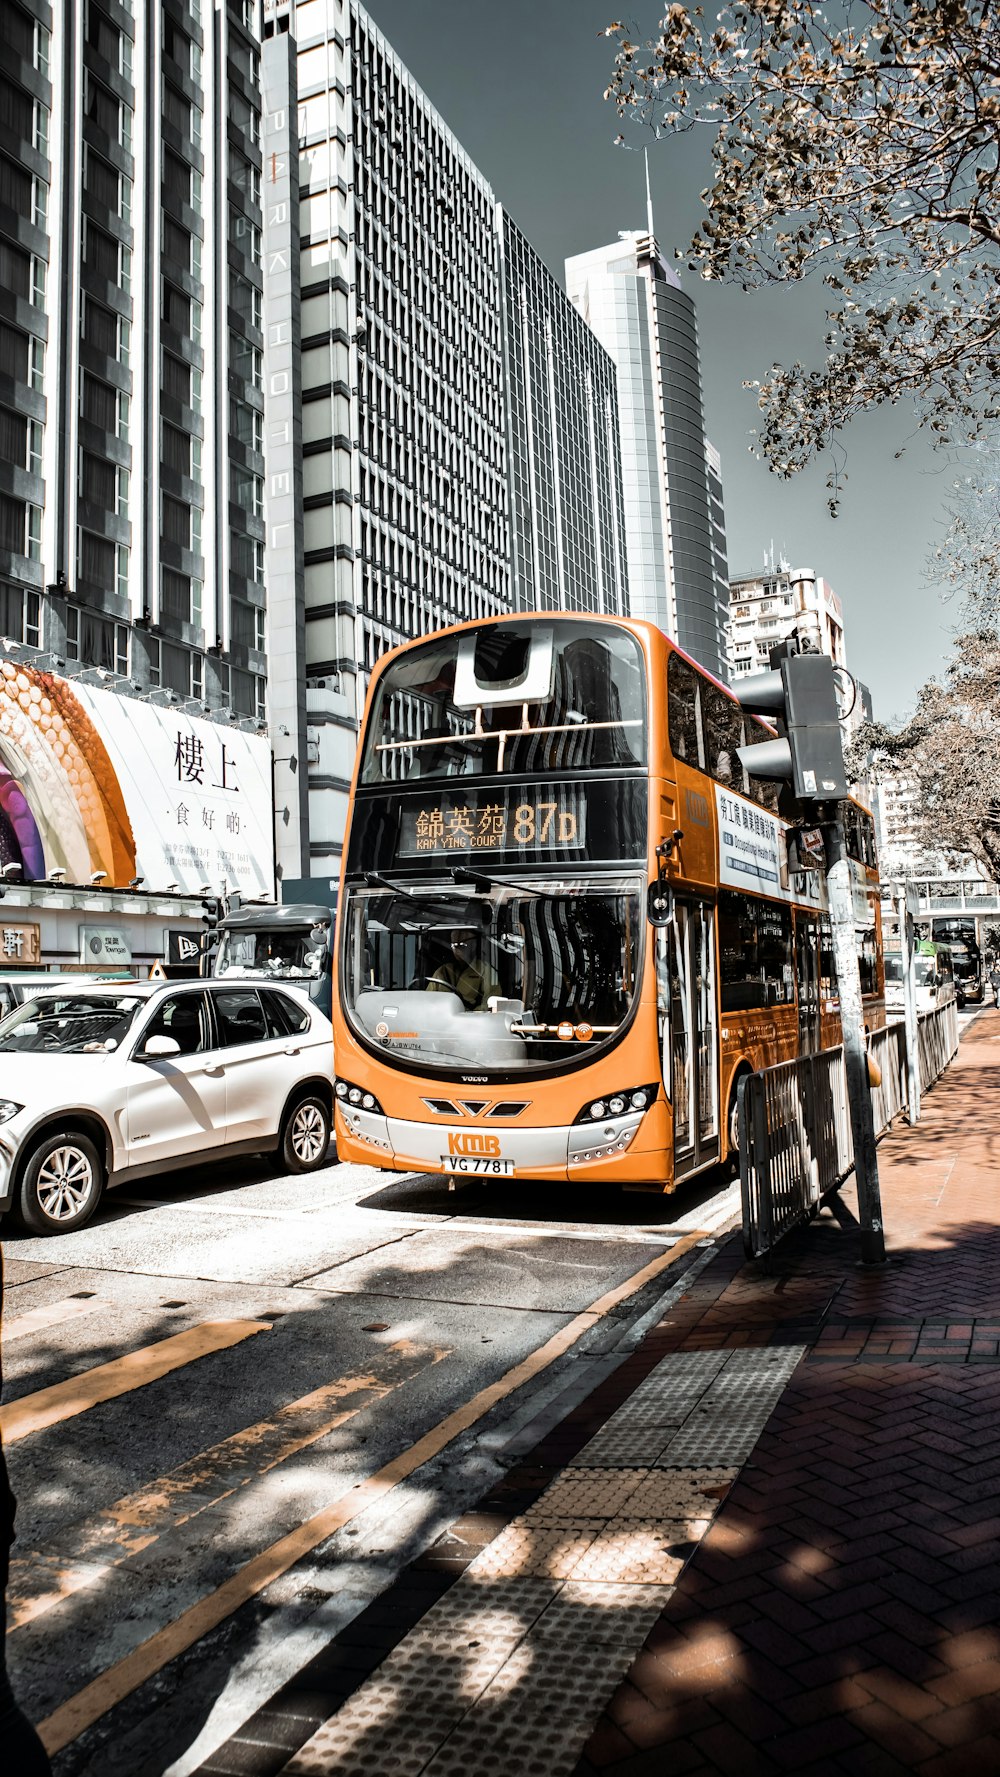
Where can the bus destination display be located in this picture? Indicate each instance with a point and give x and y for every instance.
(522, 821)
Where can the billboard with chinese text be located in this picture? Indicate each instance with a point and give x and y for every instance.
(92, 782)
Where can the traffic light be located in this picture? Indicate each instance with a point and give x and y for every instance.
(210, 921)
(799, 694)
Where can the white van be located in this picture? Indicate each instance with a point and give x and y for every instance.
(934, 977)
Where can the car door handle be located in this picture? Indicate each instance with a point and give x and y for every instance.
(215, 1067)
(291, 1051)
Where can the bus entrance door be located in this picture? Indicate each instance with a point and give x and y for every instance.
(694, 1070)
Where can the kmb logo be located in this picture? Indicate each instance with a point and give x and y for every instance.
(472, 1143)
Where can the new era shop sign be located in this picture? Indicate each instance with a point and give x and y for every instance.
(183, 950)
(105, 947)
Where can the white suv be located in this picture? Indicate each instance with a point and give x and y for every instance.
(99, 1085)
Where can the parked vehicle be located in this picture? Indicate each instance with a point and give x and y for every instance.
(934, 979)
(106, 1083)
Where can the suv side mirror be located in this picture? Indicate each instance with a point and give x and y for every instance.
(158, 1048)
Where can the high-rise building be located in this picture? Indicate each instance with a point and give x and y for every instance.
(768, 607)
(131, 405)
(563, 449)
(449, 471)
(672, 489)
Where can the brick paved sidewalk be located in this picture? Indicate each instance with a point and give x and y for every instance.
(841, 1613)
(785, 1498)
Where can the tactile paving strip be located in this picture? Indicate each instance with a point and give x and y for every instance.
(728, 1420)
(549, 1550)
(580, 1648)
(638, 1431)
(585, 1493)
(510, 1670)
(398, 1718)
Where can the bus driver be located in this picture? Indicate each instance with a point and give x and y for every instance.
(464, 972)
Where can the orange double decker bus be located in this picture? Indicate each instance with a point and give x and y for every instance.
(567, 924)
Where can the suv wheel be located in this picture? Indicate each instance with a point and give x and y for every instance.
(62, 1185)
(307, 1134)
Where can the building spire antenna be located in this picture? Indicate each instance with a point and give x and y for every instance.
(649, 199)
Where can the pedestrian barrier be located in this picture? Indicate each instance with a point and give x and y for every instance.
(795, 1141)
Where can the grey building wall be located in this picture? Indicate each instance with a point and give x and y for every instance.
(131, 531)
(415, 431)
(564, 453)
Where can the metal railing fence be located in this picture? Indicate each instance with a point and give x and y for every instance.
(795, 1140)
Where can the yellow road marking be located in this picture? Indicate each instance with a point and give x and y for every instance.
(112, 1536)
(64, 1400)
(79, 1712)
(56, 1314)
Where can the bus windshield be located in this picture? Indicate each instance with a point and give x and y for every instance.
(524, 975)
(510, 697)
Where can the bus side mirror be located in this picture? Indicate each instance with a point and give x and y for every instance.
(659, 904)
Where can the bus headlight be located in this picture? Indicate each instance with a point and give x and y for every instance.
(635, 1098)
(357, 1097)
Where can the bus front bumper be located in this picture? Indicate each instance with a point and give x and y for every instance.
(490, 1152)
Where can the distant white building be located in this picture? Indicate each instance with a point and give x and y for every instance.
(894, 803)
(769, 606)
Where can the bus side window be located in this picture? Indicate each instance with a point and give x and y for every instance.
(684, 712)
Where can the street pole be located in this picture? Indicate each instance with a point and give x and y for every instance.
(906, 957)
(845, 955)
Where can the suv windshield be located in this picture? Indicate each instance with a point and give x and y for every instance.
(521, 975)
(75, 1024)
(515, 697)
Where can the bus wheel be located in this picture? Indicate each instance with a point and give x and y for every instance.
(733, 1129)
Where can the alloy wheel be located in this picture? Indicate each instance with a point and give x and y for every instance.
(309, 1133)
(64, 1183)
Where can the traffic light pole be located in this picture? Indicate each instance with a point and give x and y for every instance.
(845, 954)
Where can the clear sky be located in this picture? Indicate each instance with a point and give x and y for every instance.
(520, 83)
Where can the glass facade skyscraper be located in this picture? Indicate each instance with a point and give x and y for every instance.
(648, 324)
(459, 439)
(567, 513)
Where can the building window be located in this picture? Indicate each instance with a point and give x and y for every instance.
(34, 533)
(175, 595)
(36, 373)
(121, 572)
(94, 640)
(38, 277)
(33, 462)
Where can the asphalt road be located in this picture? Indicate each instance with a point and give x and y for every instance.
(239, 1402)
